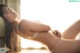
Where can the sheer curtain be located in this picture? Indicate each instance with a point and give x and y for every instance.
(3, 2)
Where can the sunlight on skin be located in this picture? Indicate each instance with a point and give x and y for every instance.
(59, 14)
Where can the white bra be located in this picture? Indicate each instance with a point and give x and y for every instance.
(35, 35)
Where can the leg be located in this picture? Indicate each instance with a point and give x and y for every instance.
(72, 31)
(67, 46)
(58, 45)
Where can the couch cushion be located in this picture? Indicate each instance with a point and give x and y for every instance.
(2, 27)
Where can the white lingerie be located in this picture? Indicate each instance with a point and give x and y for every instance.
(35, 35)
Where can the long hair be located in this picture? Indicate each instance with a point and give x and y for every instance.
(9, 28)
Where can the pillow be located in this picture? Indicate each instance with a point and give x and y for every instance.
(2, 27)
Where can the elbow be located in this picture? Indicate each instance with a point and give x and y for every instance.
(47, 28)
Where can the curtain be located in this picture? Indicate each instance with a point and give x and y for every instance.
(3, 2)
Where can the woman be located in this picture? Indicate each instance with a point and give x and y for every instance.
(43, 33)
(8, 27)
(10, 33)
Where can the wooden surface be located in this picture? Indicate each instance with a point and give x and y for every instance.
(31, 51)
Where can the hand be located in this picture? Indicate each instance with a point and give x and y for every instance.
(57, 33)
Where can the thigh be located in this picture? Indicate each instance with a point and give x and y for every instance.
(67, 46)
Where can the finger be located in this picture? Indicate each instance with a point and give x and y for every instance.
(57, 33)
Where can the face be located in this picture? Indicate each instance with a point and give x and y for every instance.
(9, 14)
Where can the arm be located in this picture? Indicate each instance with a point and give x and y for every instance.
(25, 25)
(32, 26)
